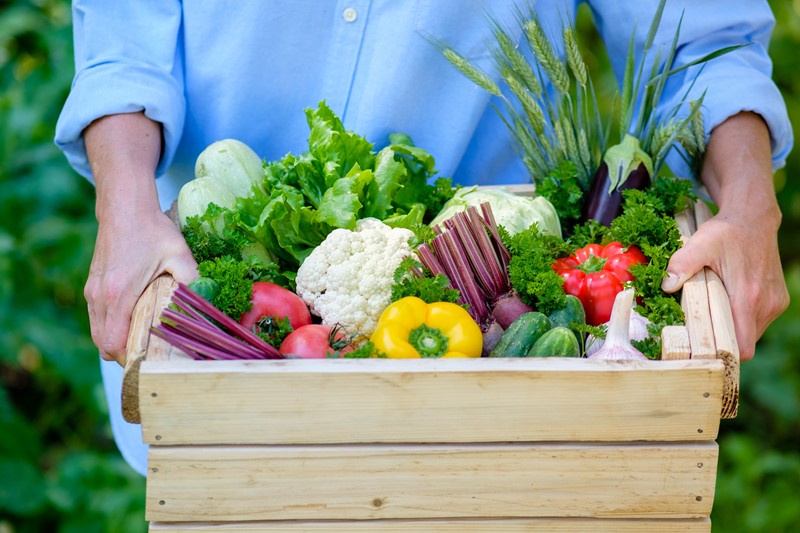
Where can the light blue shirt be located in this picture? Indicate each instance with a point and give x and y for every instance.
(246, 70)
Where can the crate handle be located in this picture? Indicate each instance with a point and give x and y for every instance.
(709, 319)
(144, 346)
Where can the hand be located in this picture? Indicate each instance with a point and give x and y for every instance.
(744, 253)
(136, 242)
(740, 243)
(130, 252)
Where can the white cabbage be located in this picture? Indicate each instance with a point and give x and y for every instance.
(512, 211)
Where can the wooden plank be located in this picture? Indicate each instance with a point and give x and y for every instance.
(234, 483)
(428, 400)
(675, 343)
(512, 525)
(725, 340)
(694, 299)
(724, 332)
(142, 345)
(686, 222)
(520, 189)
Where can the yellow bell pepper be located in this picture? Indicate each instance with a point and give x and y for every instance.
(412, 328)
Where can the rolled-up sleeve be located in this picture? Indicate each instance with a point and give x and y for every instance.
(127, 59)
(738, 81)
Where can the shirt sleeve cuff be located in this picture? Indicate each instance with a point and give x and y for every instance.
(109, 89)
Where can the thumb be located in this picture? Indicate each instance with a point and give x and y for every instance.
(685, 263)
(184, 270)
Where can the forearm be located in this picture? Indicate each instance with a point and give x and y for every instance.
(740, 243)
(123, 152)
(135, 240)
(738, 171)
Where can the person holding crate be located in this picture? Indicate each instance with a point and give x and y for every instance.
(158, 81)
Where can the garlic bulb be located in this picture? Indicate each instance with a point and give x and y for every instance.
(617, 345)
(637, 331)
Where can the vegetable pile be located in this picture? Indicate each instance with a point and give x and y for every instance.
(346, 252)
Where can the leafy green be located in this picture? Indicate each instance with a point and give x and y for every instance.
(589, 232)
(235, 284)
(273, 329)
(436, 195)
(206, 243)
(412, 279)
(649, 346)
(644, 222)
(338, 180)
(563, 188)
(365, 351)
(530, 271)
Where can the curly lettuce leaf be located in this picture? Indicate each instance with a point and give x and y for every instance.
(340, 149)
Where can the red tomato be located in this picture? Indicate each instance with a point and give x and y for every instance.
(270, 299)
(314, 342)
(595, 274)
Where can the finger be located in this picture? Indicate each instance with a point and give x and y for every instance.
(96, 317)
(744, 325)
(182, 269)
(117, 322)
(685, 263)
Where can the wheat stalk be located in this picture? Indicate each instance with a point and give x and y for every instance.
(567, 126)
(516, 62)
(555, 69)
(699, 130)
(584, 152)
(532, 109)
(574, 58)
(472, 72)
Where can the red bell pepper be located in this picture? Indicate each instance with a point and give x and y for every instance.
(595, 274)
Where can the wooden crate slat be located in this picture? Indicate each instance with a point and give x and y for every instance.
(224, 483)
(533, 525)
(446, 400)
(722, 323)
(141, 345)
(725, 340)
(694, 299)
(675, 343)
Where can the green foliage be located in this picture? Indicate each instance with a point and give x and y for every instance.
(412, 279)
(59, 469)
(759, 466)
(562, 188)
(235, 296)
(529, 271)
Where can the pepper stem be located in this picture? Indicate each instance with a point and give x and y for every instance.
(428, 341)
(593, 263)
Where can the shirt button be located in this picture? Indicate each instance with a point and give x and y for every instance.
(349, 14)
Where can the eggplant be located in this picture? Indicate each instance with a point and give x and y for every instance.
(633, 169)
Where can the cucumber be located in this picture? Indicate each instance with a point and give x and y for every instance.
(521, 335)
(557, 342)
(205, 287)
(571, 313)
(570, 316)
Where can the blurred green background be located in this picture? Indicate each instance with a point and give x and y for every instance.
(59, 468)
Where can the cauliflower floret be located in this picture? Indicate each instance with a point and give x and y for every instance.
(347, 279)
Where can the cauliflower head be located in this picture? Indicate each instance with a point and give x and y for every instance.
(347, 279)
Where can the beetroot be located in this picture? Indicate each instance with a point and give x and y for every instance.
(508, 308)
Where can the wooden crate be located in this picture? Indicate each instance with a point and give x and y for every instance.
(469, 445)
